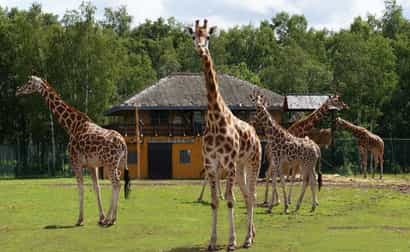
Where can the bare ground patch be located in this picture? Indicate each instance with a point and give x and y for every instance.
(400, 185)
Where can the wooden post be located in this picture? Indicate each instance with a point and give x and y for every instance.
(137, 137)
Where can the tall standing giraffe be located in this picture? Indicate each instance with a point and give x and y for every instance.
(89, 146)
(301, 128)
(367, 142)
(285, 148)
(228, 143)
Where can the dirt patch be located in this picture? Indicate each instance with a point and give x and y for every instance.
(400, 185)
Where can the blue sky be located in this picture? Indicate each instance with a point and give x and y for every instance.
(333, 15)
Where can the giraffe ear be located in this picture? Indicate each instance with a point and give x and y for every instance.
(188, 30)
(214, 31)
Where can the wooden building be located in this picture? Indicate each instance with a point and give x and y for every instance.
(171, 121)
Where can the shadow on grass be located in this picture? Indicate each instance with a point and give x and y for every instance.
(196, 202)
(193, 249)
(60, 226)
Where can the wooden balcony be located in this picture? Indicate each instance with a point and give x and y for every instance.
(164, 130)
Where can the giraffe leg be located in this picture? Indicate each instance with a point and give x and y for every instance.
(274, 171)
(240, 178)
(252, 176)
(292, 181)
(285, 198)
(267, 176)
(212, 177)
(219, 188)
(201, 195)
(305, 177)
(373, 165)
(80, 184)
(116, 186)
(380, 156)
(313, 186)
(363, 157)
(96, 186)
(230, 202)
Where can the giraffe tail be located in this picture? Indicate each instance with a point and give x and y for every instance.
(127, 185)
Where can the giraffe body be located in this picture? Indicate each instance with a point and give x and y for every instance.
(367, 142)
(285, 148)
(228, 144)
(90, 146)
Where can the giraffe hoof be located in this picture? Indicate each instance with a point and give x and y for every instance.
(79, 223)
(247, 244)
(231, 247)
(212, 247)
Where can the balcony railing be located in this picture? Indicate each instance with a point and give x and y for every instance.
(164, 130)
(159, 130)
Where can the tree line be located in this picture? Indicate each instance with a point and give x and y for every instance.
(95, 63)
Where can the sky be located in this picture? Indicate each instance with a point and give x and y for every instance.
(329, 14)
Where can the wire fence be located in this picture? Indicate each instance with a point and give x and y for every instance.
(342, 157)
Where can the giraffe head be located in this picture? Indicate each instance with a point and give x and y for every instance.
(336, 102)
(261, 104)
(34, 84)
(258, 99)
(200, 35)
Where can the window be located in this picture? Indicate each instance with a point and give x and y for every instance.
(159, 117)
(185, 156)
(132, 157)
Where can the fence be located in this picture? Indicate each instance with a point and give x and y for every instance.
(33, 161)
(342, 158)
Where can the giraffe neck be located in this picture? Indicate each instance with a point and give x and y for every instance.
(300, 127)
(68, 117)
(272, 129)
(215, 102)
(356, 130)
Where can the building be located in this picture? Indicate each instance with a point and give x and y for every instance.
(171, 121)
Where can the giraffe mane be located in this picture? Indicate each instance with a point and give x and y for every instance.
(51, 89)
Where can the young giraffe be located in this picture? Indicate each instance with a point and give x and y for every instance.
(301, 128)
(286, 148)
(228, 143)
(367, 141)
(89, 146)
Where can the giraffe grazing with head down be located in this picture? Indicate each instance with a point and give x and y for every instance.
(302, 128)
(285, 148)
(228, 143)
(89, 146)
(367, 142)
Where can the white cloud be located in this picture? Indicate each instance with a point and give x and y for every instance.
(228, 13)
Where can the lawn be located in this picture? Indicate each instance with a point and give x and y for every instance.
(37, 215)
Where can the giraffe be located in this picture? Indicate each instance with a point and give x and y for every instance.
(367, 142)
(228, 143)
(302, 128)
(284, 147)
(89, 146)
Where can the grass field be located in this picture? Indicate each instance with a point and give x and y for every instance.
(37, 215)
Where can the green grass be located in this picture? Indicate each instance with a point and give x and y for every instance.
(166, 218)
